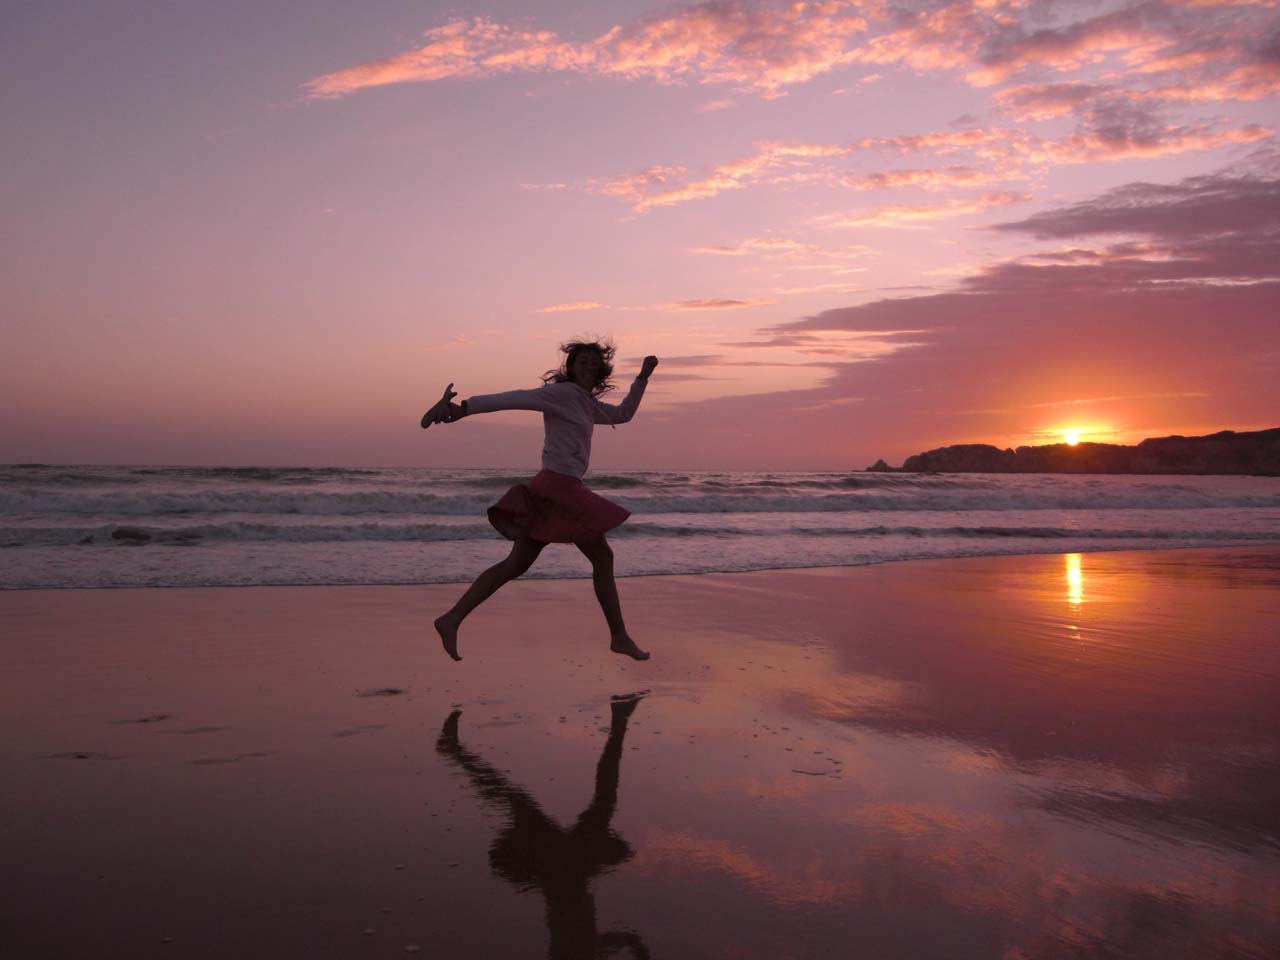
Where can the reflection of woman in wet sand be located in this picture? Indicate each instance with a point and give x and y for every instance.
(536, 852)
(554, 507)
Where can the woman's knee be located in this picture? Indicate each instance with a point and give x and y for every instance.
(601, 556)
(520, 560)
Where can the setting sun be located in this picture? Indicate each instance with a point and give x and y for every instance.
(1072, 438)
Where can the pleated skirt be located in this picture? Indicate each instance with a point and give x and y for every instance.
(555, 508)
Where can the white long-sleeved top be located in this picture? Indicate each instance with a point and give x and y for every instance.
(569, 415)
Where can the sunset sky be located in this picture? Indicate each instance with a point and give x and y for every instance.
(271, 232)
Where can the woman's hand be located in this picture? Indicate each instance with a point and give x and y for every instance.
(645, 369)
(443, 411)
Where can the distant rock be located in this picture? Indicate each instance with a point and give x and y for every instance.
(1227, 452)
(962, 458)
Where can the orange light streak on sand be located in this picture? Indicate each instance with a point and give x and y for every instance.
(1075, 579)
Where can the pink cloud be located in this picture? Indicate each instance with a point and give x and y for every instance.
(1047, 100)
(928, 179)
(1008, 52)
(1111, 127)
(1197, 206)
(1252, 82)
(766, 47)
(942, 38)
(771, 246)
(460, 48)
(836, 348)
(772, 163)
(758, 46)
(943, 141)
(753, 46)
(715, 304)
(1265, 4)
(569, 307)
(777, 162)
(1124, 142)
(901, 215)
(634, 187)
(1187, 59)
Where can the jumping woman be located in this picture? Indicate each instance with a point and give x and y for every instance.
(554, 507)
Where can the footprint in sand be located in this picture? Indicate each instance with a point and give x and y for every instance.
(356, 731)
(381, 692)
(149, 718)
(216, 761)
(192, 731)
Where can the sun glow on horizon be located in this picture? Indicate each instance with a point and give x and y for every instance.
(1072, 437)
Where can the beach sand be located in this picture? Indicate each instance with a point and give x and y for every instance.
(1012, 757)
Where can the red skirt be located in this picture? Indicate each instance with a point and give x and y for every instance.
(554, 508)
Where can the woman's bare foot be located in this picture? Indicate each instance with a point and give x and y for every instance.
(625, 645)
(448, 630)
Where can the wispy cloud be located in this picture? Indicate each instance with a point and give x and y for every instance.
(569, 307)
(778, 163)
(665, 186)
(1109, 130)
(1089, 401)
(1006, 53)
(716, 304)
(1044, 101)
(1130, 77)
(763, 47)
(925, 178)
(907, 214)
(824, 348)
(1124, 129)
(1195, 207)
(767, 246)
(767, 46)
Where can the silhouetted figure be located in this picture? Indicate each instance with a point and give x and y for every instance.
(536, 852)
(555, 506)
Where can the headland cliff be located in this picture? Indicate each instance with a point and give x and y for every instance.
(1255, 452)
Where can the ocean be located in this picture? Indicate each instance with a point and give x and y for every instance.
(66, 526)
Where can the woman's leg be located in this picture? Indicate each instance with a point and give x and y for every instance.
(523, 552)
(601, 556)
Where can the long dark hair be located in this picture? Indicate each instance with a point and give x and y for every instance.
(571, 349)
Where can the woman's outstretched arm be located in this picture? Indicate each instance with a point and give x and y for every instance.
(624, 411)
(445, 411)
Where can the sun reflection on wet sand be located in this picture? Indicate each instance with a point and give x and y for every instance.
(1075, 579)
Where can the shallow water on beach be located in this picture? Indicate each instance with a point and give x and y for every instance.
(1048, 756)
(100, 526)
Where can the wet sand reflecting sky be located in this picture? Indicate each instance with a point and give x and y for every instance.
(1053, 756)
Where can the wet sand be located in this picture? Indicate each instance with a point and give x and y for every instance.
(1013, 757)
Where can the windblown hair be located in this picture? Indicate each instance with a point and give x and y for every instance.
(571, 349)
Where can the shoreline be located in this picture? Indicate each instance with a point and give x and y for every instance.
(1255, 545)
